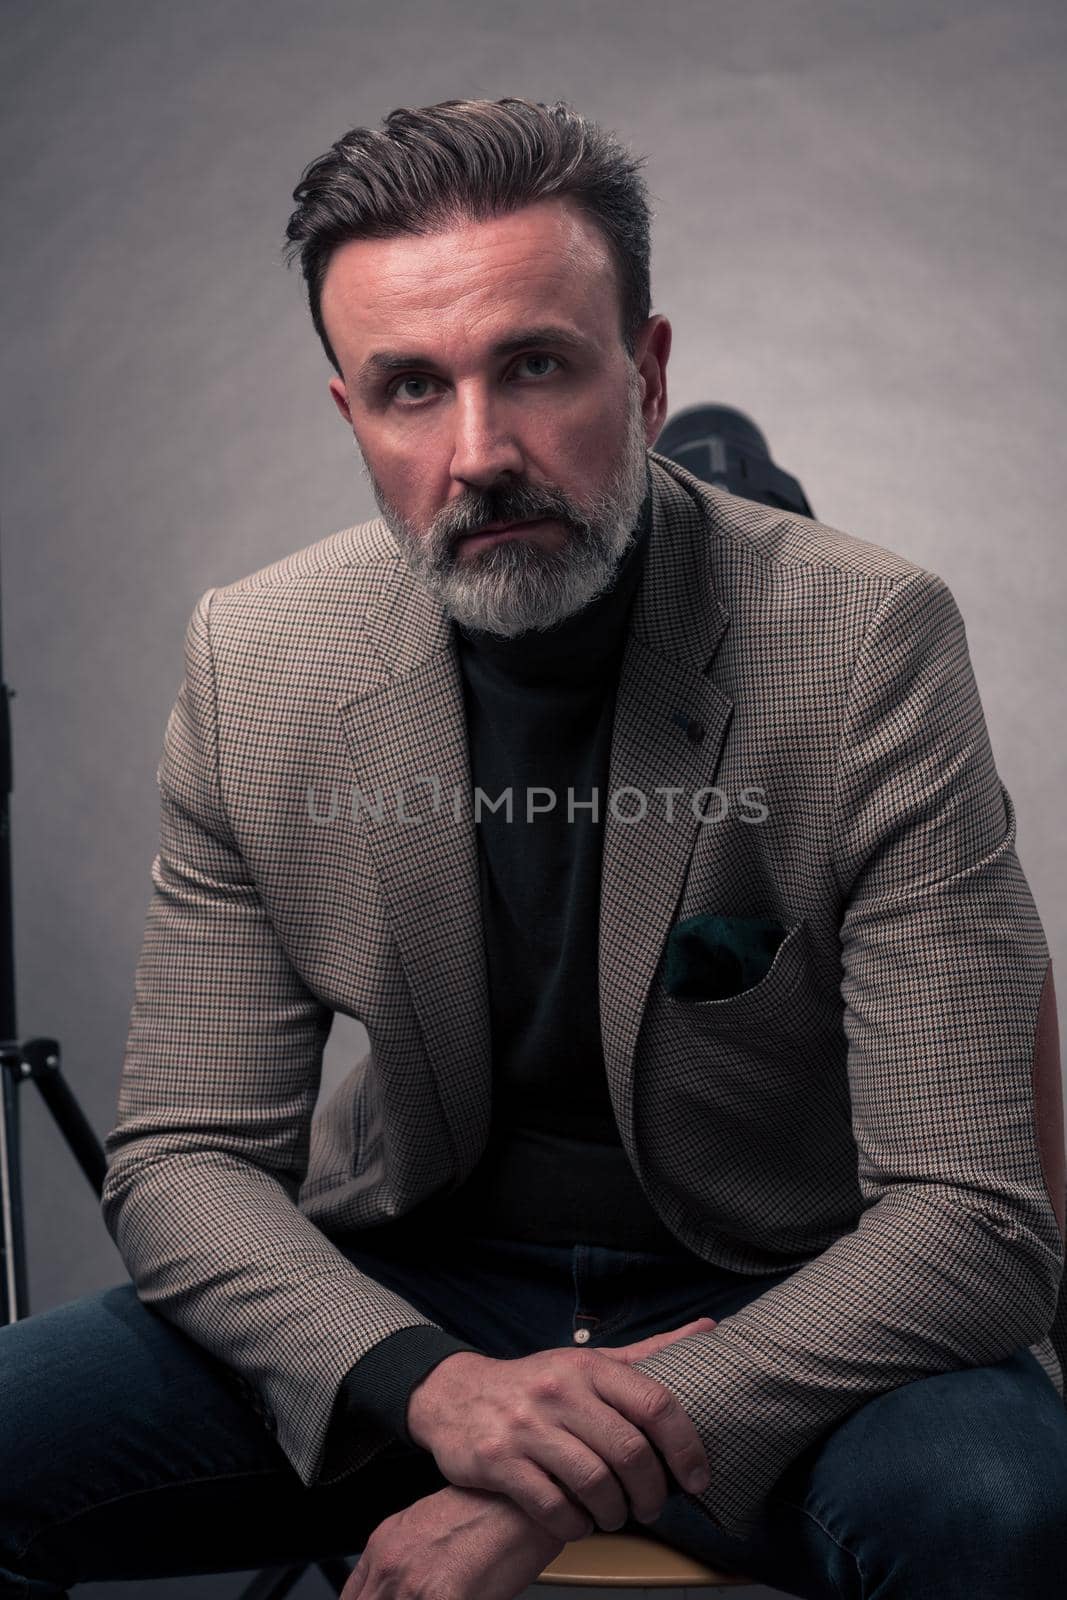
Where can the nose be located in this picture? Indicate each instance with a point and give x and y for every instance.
(483, 447)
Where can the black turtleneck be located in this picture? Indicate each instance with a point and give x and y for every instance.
(539, 709)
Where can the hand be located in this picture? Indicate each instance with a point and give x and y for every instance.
(453, 1544)
(585, 1417)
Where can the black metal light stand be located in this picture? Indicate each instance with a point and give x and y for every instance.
(25, 1061)
(37, 1061)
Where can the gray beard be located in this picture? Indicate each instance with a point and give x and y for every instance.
(515, 586)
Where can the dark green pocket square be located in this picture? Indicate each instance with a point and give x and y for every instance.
(712, 957)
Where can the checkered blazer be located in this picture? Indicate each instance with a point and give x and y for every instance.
(880, 1115)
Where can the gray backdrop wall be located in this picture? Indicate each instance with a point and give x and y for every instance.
(859, 239)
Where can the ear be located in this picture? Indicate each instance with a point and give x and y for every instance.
(651, 353)
(340, 396)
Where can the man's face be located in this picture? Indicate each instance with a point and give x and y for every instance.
(486, 382)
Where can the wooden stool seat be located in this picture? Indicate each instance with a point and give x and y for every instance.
(633, 1561)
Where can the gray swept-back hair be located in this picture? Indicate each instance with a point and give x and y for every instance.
(431, 169)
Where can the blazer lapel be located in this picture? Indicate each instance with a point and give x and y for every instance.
(407, 741)
(670, 723)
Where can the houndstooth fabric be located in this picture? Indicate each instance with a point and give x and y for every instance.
(881, 1115)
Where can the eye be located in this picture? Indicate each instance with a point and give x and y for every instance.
(536, 355)
(398, 384)
(394, 388)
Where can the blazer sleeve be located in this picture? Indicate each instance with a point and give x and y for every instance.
(953, 1068)
(219, 1082)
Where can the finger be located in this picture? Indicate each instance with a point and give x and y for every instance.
(654, 1411)
(580, 1457)
(546, 1503)
(637, 1467)
(656, 1341)
(604, 1463)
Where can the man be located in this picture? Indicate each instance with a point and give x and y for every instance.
(752, 1057)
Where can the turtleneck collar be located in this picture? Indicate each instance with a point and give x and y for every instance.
(582, 644)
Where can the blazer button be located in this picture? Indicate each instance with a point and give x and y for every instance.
(695, 730)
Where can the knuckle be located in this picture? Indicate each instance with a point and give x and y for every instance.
(551, 1506)
(586, 1360)
(658, 1404)
(492, 1450)
(632, 1452)
(596, 1477)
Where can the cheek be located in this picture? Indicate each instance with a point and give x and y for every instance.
(404, 474)
(587, 451)
(595, 435)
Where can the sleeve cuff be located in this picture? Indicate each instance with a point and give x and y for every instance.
(380, 1384)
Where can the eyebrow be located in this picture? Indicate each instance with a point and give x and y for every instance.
(383, 362)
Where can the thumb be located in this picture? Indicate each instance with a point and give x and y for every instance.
(656, 1341)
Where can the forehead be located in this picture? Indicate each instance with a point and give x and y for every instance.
(546, 263)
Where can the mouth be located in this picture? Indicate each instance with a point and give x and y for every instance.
(496, 532)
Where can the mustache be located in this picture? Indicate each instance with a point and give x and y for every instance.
(475, 514)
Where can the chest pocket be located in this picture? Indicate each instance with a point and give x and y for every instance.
(731, 968)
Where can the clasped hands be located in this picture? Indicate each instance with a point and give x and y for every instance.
(537, 1451)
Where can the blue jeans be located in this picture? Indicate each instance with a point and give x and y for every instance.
(129, 1453)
